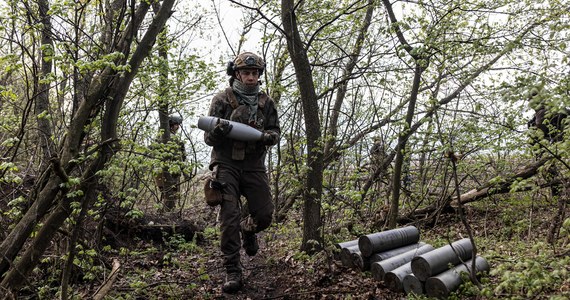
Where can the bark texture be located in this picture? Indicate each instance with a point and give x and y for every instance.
(312, 237)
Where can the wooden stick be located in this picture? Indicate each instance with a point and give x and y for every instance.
(104, 289)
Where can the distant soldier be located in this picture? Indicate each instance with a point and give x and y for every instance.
(550, 123)
(551, 130)
(551, 126)
(382, 181)
(173, 152)
(377, 152)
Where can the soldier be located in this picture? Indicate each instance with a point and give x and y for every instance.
(551, 126)
(551, 129)
(238, 166)
(168, 182)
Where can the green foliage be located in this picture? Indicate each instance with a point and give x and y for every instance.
(45, 292)
(485, 120)
(177, 242)
(211, 233)
(138, 286)
(137, 253)
(107, 61)
(302, 256)
(88, 261)
(15, 211)
(531, 275)
(134, 213)
(10, 173)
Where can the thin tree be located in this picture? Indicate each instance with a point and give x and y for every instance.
(106, 94)
(313, 189)
(421, 61)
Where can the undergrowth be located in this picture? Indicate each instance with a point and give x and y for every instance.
(523, 265)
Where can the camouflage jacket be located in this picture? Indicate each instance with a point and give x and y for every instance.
(247, 156)
(551, 124)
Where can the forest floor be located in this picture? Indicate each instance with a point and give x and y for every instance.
(278, 271)
(179, 269)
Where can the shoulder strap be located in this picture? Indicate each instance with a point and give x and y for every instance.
(262, 99)
(232, 98)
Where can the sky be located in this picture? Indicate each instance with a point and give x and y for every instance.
(218, 34)
(230, 17)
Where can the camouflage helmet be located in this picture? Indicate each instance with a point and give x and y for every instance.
(174, 119)
(246, 60)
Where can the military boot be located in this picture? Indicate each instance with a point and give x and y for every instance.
(233, 283)
(249, 240)
(250, 243)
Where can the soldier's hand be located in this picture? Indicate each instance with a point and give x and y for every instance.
(223, 127)
(270, 138)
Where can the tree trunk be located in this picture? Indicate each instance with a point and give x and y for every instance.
(17, 275)
(488, 189)
(168, 196)
(20, 233)
(275, 92)
(401, 149)
(312, 237)
(49, 190)
(502, 187)
(42, 110)
(104, 87)
(421, 62)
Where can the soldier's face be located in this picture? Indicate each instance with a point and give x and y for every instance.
(174, 128)
(248, 76)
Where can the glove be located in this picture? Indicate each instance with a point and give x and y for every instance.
(223, 127)
(270, 138)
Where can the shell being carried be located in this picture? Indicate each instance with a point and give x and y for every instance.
(240, 131)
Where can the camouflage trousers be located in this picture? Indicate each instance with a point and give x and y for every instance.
(254, 186)
(169, 195)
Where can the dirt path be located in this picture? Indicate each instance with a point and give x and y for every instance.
(269, 275)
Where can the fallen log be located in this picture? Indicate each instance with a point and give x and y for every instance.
(502, 187)
(484, 191)
(106, 287)
(155, 228)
